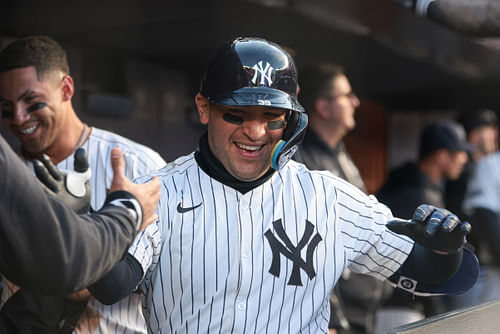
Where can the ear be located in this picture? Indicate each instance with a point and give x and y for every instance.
(68, 88)
(203, 106)
(321, 108)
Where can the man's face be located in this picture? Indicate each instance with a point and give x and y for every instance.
(343, 102)
(242, 138)
(485, 138)
(31, 107)
(455, 164)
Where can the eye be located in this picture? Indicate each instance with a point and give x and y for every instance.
(36, 106)
(233, 119)
(6, 111)
(275, 124)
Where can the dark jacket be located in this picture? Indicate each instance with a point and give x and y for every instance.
(317, 155)
(406, 188)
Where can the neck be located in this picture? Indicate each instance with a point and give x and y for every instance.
(330, 135)
(431, 169)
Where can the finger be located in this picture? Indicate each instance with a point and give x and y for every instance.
(466, 228)
(450, 223)
(401, 226)
(81, 163)
(434, 223)
(44, 176)
(118, 165)
(422, 213)
(54, 172)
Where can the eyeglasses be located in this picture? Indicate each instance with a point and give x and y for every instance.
(350, 95)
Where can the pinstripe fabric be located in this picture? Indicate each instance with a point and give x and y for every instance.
(207, 270)
(126, 315)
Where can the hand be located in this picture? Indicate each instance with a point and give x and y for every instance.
(434, 228)
(72, 187)
(148, 194)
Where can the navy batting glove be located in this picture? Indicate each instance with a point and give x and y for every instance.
(72, 187)
(433, 228)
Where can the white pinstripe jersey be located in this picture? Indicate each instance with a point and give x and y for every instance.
(210, 267)
(126, 315)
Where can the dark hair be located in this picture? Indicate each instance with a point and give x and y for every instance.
(42, 52)
(315, 82)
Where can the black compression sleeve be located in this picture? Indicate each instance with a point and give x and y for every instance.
(119, 282)
(429, 267)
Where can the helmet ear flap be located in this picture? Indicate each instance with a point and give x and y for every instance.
(292, 137)
(292, 121)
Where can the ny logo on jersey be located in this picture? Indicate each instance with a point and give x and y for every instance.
(262, 72)
(293, 252)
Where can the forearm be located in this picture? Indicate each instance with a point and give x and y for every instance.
(119, 282)
(480, 18)
(429, 267)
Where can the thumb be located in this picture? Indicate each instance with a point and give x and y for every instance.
(118, 165)
(401, 226)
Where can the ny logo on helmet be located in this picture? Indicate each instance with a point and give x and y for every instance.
(262, 72)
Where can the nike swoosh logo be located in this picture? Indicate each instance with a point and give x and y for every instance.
(180, 209)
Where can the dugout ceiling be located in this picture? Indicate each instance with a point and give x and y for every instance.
(391, 56)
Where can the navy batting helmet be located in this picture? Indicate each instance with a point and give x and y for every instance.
(255, 72)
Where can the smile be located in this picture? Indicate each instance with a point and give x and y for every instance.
(29, 130)
(249, 148)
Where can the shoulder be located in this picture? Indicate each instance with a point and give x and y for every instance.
(131, 150)
(174, 170)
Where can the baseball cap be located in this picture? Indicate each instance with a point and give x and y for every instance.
(476, 118)
(445, 134)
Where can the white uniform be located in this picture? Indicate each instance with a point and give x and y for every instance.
(126, 315)
(260, 262)
(483, 188)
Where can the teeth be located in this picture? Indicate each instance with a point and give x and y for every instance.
(29, 130)
(249, 148)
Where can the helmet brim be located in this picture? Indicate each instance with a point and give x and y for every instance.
(259, 96)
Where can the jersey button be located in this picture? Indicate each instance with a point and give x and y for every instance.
(242, 306)
(246, 254)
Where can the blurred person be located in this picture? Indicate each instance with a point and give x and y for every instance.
(443, 152)
(481, 126)
(36, 92)
(482, 205)
(330, 103)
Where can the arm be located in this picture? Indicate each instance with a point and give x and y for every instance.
(66, 247)
(479, 18)
(438, 262)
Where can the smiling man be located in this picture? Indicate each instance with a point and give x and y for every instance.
(248, 241)
(36, 91)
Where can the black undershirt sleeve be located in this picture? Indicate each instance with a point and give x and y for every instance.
(119, 282)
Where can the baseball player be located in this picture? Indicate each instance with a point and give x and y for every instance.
(249, 242)
(35, 95)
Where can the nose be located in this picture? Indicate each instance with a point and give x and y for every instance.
(355, 100)
(254, 128)
(20, 115)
